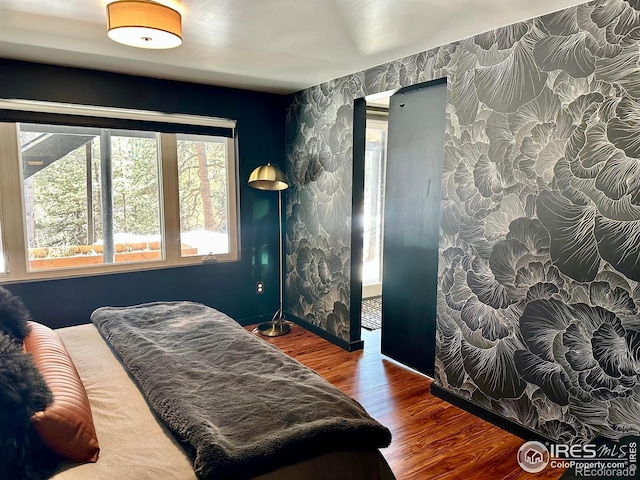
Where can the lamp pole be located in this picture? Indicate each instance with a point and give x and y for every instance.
(270, 177)
(280, 313)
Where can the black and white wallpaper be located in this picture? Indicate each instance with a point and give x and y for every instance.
(538, 300)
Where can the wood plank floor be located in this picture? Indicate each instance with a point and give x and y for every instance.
(432, 439)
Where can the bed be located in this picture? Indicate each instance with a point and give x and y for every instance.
(134, 439)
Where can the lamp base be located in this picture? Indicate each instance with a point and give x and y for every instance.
(274, 328)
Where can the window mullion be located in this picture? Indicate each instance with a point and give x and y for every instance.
(170, 196)
(15, 247)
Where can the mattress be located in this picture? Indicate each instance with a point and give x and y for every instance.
(135, 445)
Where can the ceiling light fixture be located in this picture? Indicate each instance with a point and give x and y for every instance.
(144, 24)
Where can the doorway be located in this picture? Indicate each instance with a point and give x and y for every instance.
(410, 221)
(376, 140)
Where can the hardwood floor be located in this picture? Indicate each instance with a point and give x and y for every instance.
(432, 439)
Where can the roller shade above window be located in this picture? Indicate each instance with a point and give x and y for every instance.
(27, 111)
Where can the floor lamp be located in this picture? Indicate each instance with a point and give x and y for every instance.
(270, 177)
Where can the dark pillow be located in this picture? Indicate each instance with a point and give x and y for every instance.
(22, 393)
(13, 316)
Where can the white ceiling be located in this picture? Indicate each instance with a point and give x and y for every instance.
(270, 45)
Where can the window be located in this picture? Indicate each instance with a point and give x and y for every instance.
(89, 199)
(375, 164)
(91, 196)
(202, 179)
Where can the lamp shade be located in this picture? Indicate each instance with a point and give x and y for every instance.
(268, 177)
(144, 24)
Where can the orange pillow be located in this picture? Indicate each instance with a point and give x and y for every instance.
(65, 426)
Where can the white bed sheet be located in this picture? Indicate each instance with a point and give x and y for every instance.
(134, 445)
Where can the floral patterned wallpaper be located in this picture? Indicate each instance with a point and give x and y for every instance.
(539, 294)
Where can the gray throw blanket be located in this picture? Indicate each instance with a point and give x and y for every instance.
(241, 406)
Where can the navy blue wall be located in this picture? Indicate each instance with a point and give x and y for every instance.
(229, 287)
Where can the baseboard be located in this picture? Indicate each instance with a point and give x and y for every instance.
(348, 346)
(480, 412)
(371, 291)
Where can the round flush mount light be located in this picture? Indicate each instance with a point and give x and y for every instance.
(144, 24)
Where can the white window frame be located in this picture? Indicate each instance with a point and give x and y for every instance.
(12, 218)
